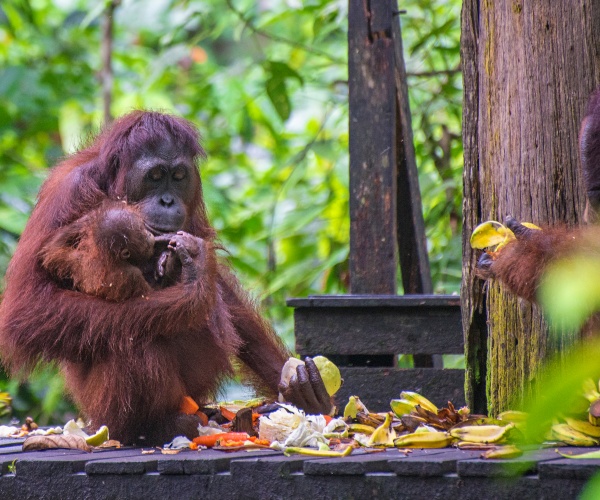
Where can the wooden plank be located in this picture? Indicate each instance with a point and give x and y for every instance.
(65, 462)
(357, 300)
(354, 465)
(259, 467)
(377, 386)
(124, 465)
(4, 442)
(412, 243)
(431, 463)
(525, 464)
(569, 468)
(206, 461)
(373, 247)
(382, 330)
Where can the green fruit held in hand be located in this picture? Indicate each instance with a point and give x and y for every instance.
(329, 373)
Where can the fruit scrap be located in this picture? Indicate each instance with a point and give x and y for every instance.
(372, 419)
(514, 416)
(482, 433)
(361, 429)
(417, 399)
(311, 452)
(568, 435)
(384, 435)
(509, 451)
(188, 406)
(212, 439)
(29, 425)
(584, 456)
(228, 414)
(401, 406)
(354, 406)
(99, 438)
(424, 440)
(584, 427)
(494, 235)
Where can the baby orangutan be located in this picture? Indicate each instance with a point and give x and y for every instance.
(101, 254)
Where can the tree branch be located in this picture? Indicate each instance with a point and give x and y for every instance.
(276, 38)
(441, 72)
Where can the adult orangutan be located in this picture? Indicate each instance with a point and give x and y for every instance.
(128, 364)
(522, 263)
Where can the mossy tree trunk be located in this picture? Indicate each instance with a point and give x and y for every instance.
(529, 67)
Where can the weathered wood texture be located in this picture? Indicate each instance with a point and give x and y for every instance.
(372, 97)
(385, 202)
(364, 334)
(529, 68)
(377, 386)
(412, 244)
(383, 325)
(126, 473)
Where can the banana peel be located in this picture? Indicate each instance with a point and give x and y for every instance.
(506, 452)
(485, 434)
(494, 235)
(514, 416)
(311, 452)
(568, 435)
(354, 406)
(402, 407)
(361, 429)
(584, 427)
(418, 399)
(384, 435)
(424, 440)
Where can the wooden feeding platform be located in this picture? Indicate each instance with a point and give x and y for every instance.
(266, 474)
(365, 331)
(363, 334)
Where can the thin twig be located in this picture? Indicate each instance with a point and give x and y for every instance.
(276, 38)
(429, 74)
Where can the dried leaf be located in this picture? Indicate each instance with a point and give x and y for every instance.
(111, 443)
(169, 452)
(54, 441)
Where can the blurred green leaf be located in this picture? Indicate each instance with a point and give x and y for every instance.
(570, 291)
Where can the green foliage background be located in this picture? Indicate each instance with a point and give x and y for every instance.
(266, 83)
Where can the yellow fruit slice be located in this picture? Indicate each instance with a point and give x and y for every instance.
(329, 373)
(100, 437)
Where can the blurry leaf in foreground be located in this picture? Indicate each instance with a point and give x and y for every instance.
(592, 488)
(559, 387)
(570, 291)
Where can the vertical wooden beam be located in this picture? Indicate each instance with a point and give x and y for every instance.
(412, 243)
(373, 246)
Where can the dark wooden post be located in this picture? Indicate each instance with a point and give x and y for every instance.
(373, 247)
(412, 244)
(385, 202)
